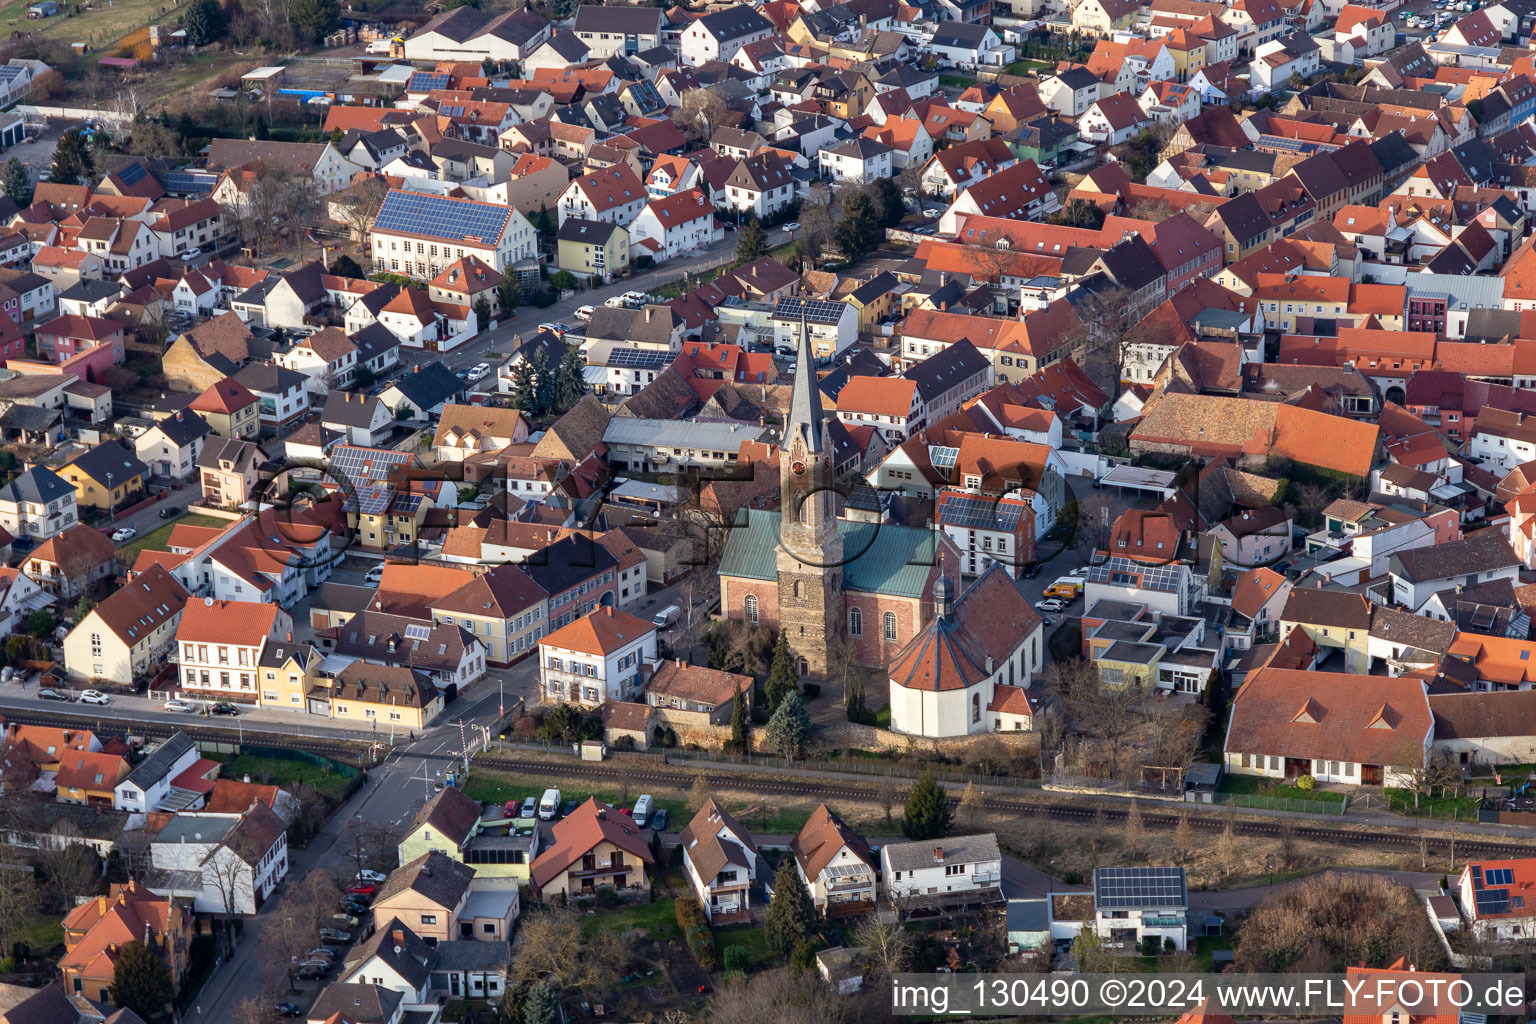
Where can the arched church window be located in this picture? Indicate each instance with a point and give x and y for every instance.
(802, 510)
(975, 707)
(855, 622)
(797, 588)
(890, 626)
(750, 607)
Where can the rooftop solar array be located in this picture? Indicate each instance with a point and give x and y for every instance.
(1139, 889)
(638, 358)
(816, 311)
(1491, 901)
(10, 71)
(979, 514)
(412, 213)
(131, 174)
(418, 631)
(426, 81)
(363, 467)
(190, 183)
(1148, 575)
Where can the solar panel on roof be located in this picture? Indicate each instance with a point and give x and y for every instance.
(1133, 888)
(9, 72)
(1499, 876)
(412, 213)
(190, 182)
(417, 631)
(978, 514)
(132, 174)
(816, 311)
(1492, 901)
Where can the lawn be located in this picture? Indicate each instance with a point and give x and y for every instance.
(1023, 67)
(157, 539)
(273, 770)
(1205, 946)
(1248, 785)
(41, 933)
(749, 937)
(1442, 807)
(957, 81)
(103, 24)
(658, 918)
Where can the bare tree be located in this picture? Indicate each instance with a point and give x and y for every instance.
(1183, 838)
(18, 895)
(368, 845)
(254, 1011)
(1112, 327)
(971, 807)
(1228, 853)
(359, 204)
(782, 997)
(886, 943)
(699, 112)
(550, 946)
(1135, 831)
(698, 796)
(886, 794)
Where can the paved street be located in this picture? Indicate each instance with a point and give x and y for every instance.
(527, 318)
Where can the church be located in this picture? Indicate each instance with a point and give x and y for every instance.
(817, 577)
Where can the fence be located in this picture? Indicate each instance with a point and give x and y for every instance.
(346, 771)
(1283, 803)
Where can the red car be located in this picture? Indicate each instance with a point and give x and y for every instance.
(363, 889)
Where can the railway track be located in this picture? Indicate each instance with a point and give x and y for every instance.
(341, 750)
(1388, 838)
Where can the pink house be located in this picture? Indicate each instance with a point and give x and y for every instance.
(67, 336)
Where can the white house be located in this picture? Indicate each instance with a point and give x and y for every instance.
(151, 784)
(835, 863)
(224, 863)
(968, 45)
(38, 504)
(597, 658)
(952, 871)
(1417, 573)
(420, 235)
(613, 195)
(1112, 120)
(831, 326)
(1494, 900)
(1276, 61)
(859, 160)
(1132, 904)
(1071, 92)
(717, 36)
(761, 185)
(221, 644)
(970, 670)
(675, 224)
(721, 862)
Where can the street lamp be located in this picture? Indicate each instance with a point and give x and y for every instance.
(1269, 865)
(111, 505)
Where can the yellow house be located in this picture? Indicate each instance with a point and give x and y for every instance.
(384, 695)
(1103, 18)
(874, 299)
(495, 845)
(504, 608)
(107, 476)
(230, 409)
(1187, 51)
(591, 248)
(287, 674)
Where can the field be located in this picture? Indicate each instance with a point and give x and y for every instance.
(100, 24)
(158, 538)
(271, 770)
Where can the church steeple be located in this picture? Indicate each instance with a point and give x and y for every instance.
(805, 413)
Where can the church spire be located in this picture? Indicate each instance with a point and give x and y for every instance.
(805, 414)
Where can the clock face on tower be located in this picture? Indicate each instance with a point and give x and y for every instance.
(797, 467)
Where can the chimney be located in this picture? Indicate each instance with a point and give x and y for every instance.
(648, 312)
(247, 780)
(399, 936)
(938, 855)
(101, 904)
(290, 636)
(602, 815)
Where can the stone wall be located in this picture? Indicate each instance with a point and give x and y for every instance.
(868, 737)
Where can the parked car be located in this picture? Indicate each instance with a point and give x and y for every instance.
(176, 704)
(190, 255)
(530, 808)
(584, 314)
(54, 695)
(123, 533)
(353, 905)
(94, 697)
(568, 809)
(287, 1010)
(553, 328)
(661, 819)
(363, 889)
(376, 877)
(172, 512)
(1081, 572)
(1032, 570)
(479, 370)
(335, 933)
(1051, 604)
(224, 707)
(374, 575)
(345, 919)
(793, 225)
(321, 953)
(310, 973)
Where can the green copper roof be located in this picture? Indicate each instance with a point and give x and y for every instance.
(879, 558)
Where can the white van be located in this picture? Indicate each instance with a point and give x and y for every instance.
(549, 805)
(642, 813)
(665, 617)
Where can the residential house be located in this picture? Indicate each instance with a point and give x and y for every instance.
(599, 657)
(835, 863)
(360, 419)
(73, 562)
(106, 476)
(96, 931)
(170, 448)
(161, 779)
(390, 695)
(505, 609)
(950, 872)
(229, 409)
(221, 643)
(592, 248)
(229, 472)
(721, 863)
(222, 863)
(594, 846)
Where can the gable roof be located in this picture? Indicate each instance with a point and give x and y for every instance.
(578, 833)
